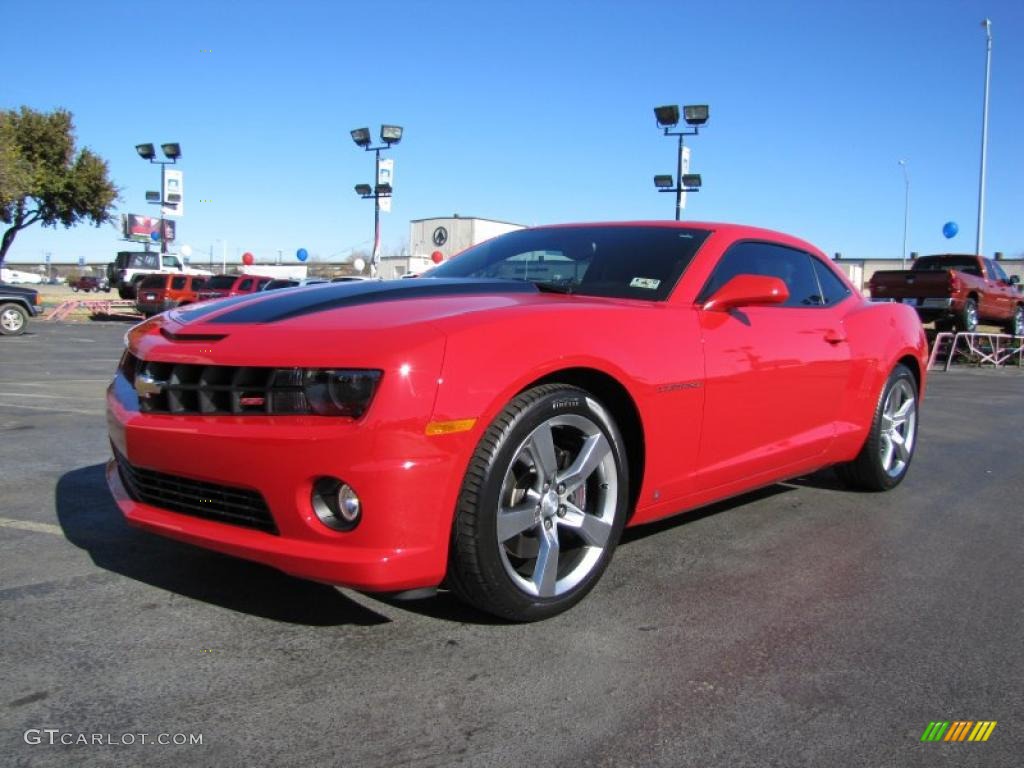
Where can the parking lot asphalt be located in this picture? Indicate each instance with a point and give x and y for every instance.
(802, 625)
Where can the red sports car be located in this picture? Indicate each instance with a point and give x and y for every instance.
(493, 426)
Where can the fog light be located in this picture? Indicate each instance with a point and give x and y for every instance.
(348, 503)
(336, 503)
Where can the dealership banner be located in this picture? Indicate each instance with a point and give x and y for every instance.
(174, 193)
(386, 175)
(141, 228)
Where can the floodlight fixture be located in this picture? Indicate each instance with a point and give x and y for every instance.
(146, 151)
(382, 189)
(391, 134)
(171, 151)
(663, 181)
(667, 116)
(152, 196)
(691, 180)
(695, 114)
(361, 136)
(364, 189)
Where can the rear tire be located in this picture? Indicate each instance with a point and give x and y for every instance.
(967, 320)
(885, 458)
(542, 506)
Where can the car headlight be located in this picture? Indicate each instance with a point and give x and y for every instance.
(340, 392)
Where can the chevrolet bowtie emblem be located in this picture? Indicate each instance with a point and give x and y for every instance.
(146, 385)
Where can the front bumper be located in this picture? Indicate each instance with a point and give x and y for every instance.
(407, 482)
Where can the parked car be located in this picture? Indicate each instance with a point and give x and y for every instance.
(955, 290)
(288, 282)
(17, 305)
(495, 425)
(219, 286)
(158, 293)
(129, 268)
(90, 283)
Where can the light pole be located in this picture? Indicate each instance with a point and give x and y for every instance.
(667, 118)
(172, 152)
(987, 24)
(906, 211)
(389, 135)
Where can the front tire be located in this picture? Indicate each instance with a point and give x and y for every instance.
(885, 458)
(1016, 325)
(542, 506)
(13, 320)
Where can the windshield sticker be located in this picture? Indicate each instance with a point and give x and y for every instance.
(645, 282)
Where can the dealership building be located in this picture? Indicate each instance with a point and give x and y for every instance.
(437, 239)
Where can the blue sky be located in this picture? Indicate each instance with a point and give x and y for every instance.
(534, 112)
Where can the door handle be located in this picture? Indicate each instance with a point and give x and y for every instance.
(833, 336)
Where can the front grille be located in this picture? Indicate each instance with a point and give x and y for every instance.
(209, 501)
(216, 389)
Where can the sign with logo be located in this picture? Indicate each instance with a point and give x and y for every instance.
(440, 236)
(386, 175)
(174, 193)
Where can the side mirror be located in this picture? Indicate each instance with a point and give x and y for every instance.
(748, 291)
(1014, 280)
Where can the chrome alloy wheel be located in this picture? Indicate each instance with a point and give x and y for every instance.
(972, 318)
(898, 428)
(12, 320)
(557, 505)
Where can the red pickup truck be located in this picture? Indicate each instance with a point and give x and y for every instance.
(955, 290)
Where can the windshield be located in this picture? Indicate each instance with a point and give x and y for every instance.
(218, 282)
(629, 262)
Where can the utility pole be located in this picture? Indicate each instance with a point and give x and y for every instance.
(979, 243)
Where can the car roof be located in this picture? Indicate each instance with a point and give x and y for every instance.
(734, 231)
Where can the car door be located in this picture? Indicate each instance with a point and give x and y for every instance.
(775, 375)
(1001, 290)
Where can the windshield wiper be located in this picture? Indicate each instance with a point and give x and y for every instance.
(565, 286)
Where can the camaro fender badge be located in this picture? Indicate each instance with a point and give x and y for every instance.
(146, 385)
(678, 385)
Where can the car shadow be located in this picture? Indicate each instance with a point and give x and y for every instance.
(92, 521)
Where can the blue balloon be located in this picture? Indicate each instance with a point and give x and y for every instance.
(949, 229)
(155, 236)
(302, 254)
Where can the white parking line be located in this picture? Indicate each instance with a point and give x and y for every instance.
(58, 381)
(53, 410)
(27, 525)
(50, 397)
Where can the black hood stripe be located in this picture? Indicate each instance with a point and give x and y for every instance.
(290, 303)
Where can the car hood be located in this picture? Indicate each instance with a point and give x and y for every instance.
(356, 320)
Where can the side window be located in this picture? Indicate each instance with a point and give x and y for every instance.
(197, 283)
(245, 285)
(995, 270)
(791, 266)
(177, 283)
(833, 290)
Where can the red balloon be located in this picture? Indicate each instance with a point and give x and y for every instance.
(247, 259)
(437, 257)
